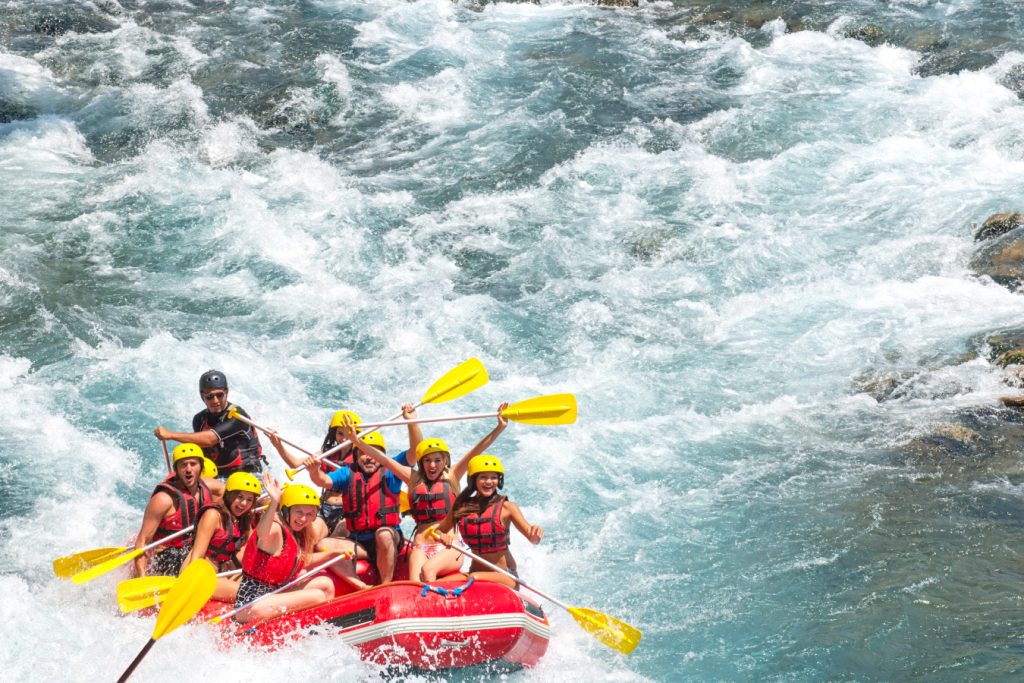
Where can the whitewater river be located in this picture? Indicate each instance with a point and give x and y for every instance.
(708, 223)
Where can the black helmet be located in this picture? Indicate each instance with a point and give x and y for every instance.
(212, 379)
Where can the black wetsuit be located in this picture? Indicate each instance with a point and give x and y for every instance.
(239, 449)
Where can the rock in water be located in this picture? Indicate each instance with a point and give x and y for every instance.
(999, 224)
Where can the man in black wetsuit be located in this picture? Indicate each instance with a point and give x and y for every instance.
(230, 443)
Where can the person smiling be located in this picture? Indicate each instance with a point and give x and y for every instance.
(482, 516)
(223, 530)
(433, 485)
(282, 544)
(230, 443)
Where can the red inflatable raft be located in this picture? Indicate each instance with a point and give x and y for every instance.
(448, 624)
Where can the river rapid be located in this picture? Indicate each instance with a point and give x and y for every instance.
(709, 221)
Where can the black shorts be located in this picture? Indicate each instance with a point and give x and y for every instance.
(332, 514)
(168, 561)
(250, 589)
(370, 544)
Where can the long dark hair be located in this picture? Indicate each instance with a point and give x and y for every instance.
(330, 441)
(469, 502)
(245, 522)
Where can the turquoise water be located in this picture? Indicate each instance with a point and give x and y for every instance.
(706, 227)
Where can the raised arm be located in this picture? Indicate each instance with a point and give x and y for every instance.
(275, 440)
(511, 512)
(268, 541)
(459, 468)
(403, 472)
(415, 433)
(316, 474)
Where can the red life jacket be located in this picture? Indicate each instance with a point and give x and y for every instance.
(276, 570)
(186, 508)
(225, 541)
(368, 503)
(430, 502)
(484, 533)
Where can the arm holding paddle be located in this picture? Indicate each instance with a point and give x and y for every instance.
(403, 472)
(205, 529)
(157, 508)
(415, 433)
(275, 441)
(459, 468)
(204, 439)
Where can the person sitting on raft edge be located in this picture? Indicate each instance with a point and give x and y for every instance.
(174, 505)
(371, 504)
(433, 486)
(223, 530)
(231, 444)
(282, 544)
(483, 516)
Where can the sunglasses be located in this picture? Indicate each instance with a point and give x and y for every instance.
(214, 394)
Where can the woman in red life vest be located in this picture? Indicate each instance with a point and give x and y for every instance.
(483, 516)
(174, 505)
(223, 530)
(276, 553)
(331, 504)
(433, 486)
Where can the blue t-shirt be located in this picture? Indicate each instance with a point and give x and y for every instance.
(341, 477)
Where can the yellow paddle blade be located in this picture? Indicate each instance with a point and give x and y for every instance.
(192, 590)
(69, 565)
(614, 633)
(104, 567)
(556, 409)
(144, 591)
(458, 381)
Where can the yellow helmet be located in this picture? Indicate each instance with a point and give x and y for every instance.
(374, 439)
(484, 463)
(209, 468)
(184, 451)
(299, 494)
(243, 481)
(339, 419)
(428, 446)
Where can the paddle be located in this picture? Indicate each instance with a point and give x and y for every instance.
(305, 575)
(105, 566)
(147, 591)
(610, 631)
(167, 456)
(234, 414)
(555, 409)
(69, 565)
(458, 381)
(191, 591)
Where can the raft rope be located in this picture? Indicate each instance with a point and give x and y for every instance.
(454, 592)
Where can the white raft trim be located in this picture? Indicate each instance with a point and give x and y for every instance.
(358, 635)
